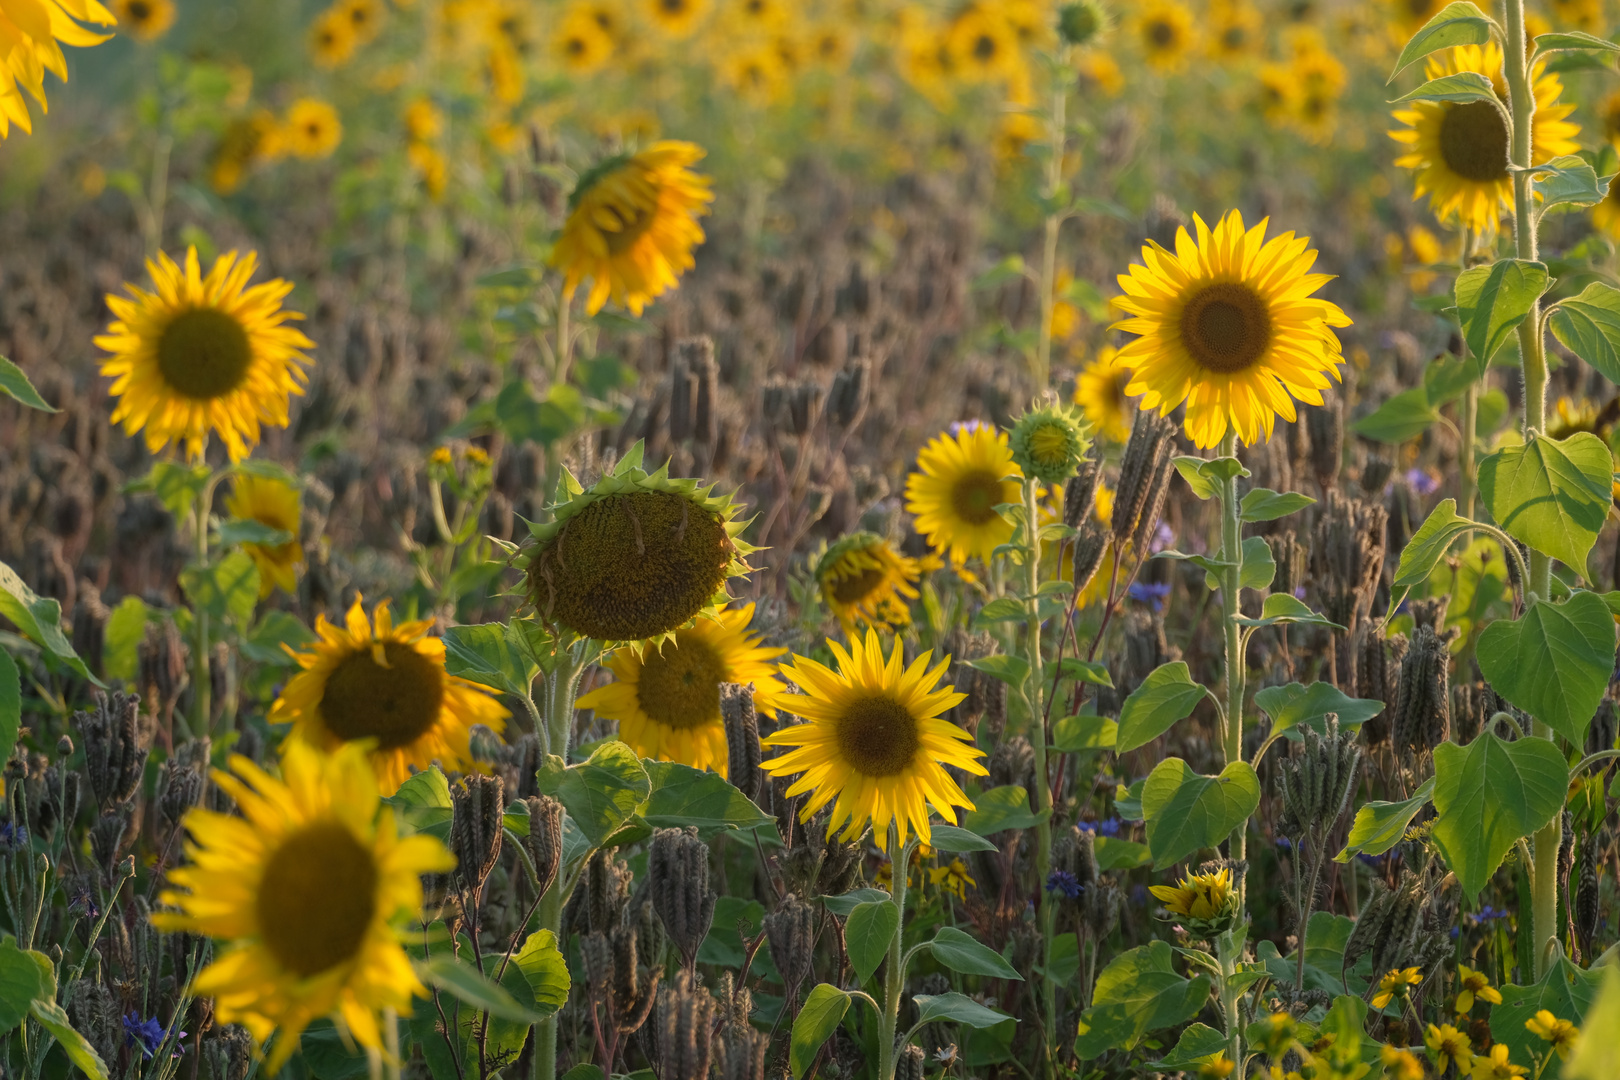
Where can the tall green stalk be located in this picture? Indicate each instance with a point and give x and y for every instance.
(1037, 739)
(1468, 477)
(894, 971)
(1231, 583)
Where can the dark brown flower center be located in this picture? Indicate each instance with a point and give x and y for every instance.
(1226, 327)
(139, 11)
(317, 899)
(634, 221)
(1474, 141)
(680, 685)
(975, 496)
(204, 353)
(395, 703)
(1160, 34)
(878, 736)
(857, 587)
(984, 48)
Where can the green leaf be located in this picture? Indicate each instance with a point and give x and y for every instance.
(1565, 990)
(1493, 300)
(1199, 1044)
(963, 953)
(1294, 705)
(1448, 377)
(682, 796)
(1285, 608)
(1554, 662)
(424, 802)
(848, 902)
(1379, 826)
(232, 533)
(1167, 696)
(1259, 568)
(1137, 993)
(228, 589)
(1325, 938)
(957, 841)
(868, 932)
(1084, 731)
(464, 982)
(1592, 1059)
(1128, 800)
(15, 385)
(1116, 854)
(1488, 795)
(1464, 86)
(1460, 23)
(329, 1054)
(270, 637)
(1000, 809)
(10, 705)
(1263, 504)
(39, 620)
(1000, 610)
(1569, 181)
(600, 793)
(176, 486)
(1588, 325)
(502, 656)
(1430, 543)
(1403, 417)
(956, 1009)
(54, 1019)
(1574, 39)
(547, 972)
(21, 981)
(1552, 494)
(1186, 811)
(1094, 672)
(1012, 670)
(823, 1011)
(126, 626)
(1205, 477)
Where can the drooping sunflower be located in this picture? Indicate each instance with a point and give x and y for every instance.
(1227, 324)
(676, 18)
(863, 579)
(307, 892)
(32, 33)
(667, 700)
(1459, 150)
(961, 478)
(1164, 32)
(203, 354)
(312, 128)
(1099, 390)
(331, 39)
(275, 503)
(632, 225)
(875, 742)
(144, 20)
(387, 686)
(636, 557)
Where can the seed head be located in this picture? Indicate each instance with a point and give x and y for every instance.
(685, 1022)
(477, 804)
(545, 839)
(114, 752)
(1049, 442)
(678, 880)
(742, 738)
(1080, 493)
(1082, 21)
(909, 1065)
(791, 931)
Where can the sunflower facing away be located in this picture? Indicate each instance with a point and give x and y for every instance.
(667, 700)
(1227, 324)
(32, 33)
(271, 502)
(1459, 150)
(874, 740)
(306, 892)
(961, 479)
(203, 354)
(632, 225)
(388, 687)
(1100, 392)
(864, 579)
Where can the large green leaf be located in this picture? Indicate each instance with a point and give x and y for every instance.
(1588, 325)
(54, 1019)
(1325, 939)
(682, 796)
(823, 1011)
(1000, 809)
(952, 839)
(21, 981)
(1296, 705)
(1462, 87)
(126, 626)
(1263, 504)
(1259, 567)
(502, 656)
(1429, 544)
(1166, 696)
(545, 969)
(1084, 731)
(602, 792)
(1569, 182)
(39, 620)
(464, 981)
(15, 385)
(964, 953)
(329, 1054)
(1186, 811)
(1280, 608)
(1137, 993)
(956, 1009)
(1553, 494)
(1593, 1056)
(272, 636)
(227, 589)
(1206, 477)
(1493, 300)
(1459, 23)
(868, 932)
(1403, 417)
(1198, 1045)
(1554, 662)
(1488, 795)
(1565, 990)
(1379, 826)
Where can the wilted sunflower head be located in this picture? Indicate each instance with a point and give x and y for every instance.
(1205, 902)
(1048, 442)
(864, 579)
(636, 557)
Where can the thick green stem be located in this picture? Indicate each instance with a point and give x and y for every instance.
(1054, 222)
(1468, 478)
(1231, 583)
(894, 976)
(1228, 953)
(1037, 740)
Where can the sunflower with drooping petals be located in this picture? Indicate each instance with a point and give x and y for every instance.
(632, 225)
(32, 33)
(306, 892)
(1459, 149)
(203, 354)
(961, 478)
(387, 687)
(864, 580)
(667, 700)
(1099, 390)
(874, 743)
(1227, 324)
(274, 503)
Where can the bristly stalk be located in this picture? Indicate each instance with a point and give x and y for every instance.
(1468, 477)
(1037, 740)
(1231, 583)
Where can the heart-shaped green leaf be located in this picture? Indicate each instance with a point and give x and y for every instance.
(1493, 300)
(1186, 811)
(1554, 663)
(1459, 23)
(1137, 993)
(823, 1011)
(1403, 417)
(1379, 826)
(1165, 697)
(867, 934)
(1430, 543)
(1488, 795)
(1552, 494)
(1588, 325)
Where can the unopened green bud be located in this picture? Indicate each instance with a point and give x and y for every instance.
(1082, 21)
(1048, 442)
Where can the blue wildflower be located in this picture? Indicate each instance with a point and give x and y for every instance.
(1149, 594)
(1061, 881)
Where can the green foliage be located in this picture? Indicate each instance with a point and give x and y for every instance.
(1553, 494)
(1379, 826)
(39, 620)
(10, 704)
(1139, 992)
(1205, 477)
(1490, 794)
(823, 1011)
(601, 793)
(1000, 809)
(545, 969)
(1554, 662)
(1294, 706)
(1493, 300)
(1460, 23)
(1588, 325)
(1403, 417)
(1186, 811)
(961, 952)
(956, 1009)
(868, 932)
(503, 656)
(226, 590)
(1167, 696)
(14, 384)
(681, 796)
(1429, 544)
(1199, 1044)
(1565, 990)
(1263, 504)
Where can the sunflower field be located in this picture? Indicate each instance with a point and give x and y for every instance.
(809, 539)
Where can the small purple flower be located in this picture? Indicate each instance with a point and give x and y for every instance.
(1061, 881)
(1285, 843)
(1163, 539)
(148, 1035)
(13, 837)
(1422, 481)
(1150, 594)
(1139, 894)
(1108, 827)
(1299, 592)
(962, 427)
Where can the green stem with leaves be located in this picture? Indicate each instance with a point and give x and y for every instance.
(1468, 477)
(894, 973)
(1037, 740)
(1231, 583)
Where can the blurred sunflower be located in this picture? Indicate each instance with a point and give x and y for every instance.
(1276, 93)
(831, 45)
(1164, 31)
(424, 121)
(1235, 31)
(248, 142)
(1099, 390)
(144, 20)
(632, 225)
(580, 44)
(960, 480)
(274, 503)
(755, 16)
(875, 742)
(1227, 325)
(667, 700)
(1031, 21)
(675, 18)
(1578, 14)
(331, 39)
(312, 128)
(1609, 111)
(365, 18)
(1459, 150)
(1099, 70)
(756, 74)
(983, 47)
(307, 889)
(863, 579)
(32, 33)
(1319, 79)
(203, 354)
(1408, 16)
(1606, 214)
(387, 687)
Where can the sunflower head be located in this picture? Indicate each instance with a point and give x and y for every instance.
(676, 18)
(1082, 21)
(1048, 442)
(874, 740)
(863, 579)
(32, 33)
(144, 20)
(581, 43)
(1099, 390)
(274, 503)
(636, 557)
(312, 128)
(332, 39)
(1164, 33)
(1206, 903)
(306, 892)
(961, 477)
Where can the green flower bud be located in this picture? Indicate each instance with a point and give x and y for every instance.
(1049, 442)
(1082, 21)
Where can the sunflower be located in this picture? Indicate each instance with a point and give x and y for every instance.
(145, 20)
(203, 354)
(1394, 985)
(1228, 325)
(313, 129)
(831, 45)
(1408, 16)
(1578, 14)
(960, 480)
(1164, 32)
(365, 18)
(676, 18)
(1609, 113)
(756, 16)
(32, 33)
(1098, 70)
(1606, 214)
(580, 44)
(874, 740)
(667, 700)
(863, 579)
(307, 892)
(1449, 1047)
(274, 503)
(1100, 392)
(1235, 31)
(983, 46)
(247, 143)
(1459, 150)
(756, 74)
(632, 225)
(388, 687)
(331, 39)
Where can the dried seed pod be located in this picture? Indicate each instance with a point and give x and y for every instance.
(1601, 735)
(698, 353)
(1421, 716)
(1375, 475)
(1089, 547)
(1347, 555)
(847, 399)
(90, 617)
(545, 839)
(626, 985)
(1326, 424)
(95, 1015)
(1080, 493)
(107, 838)
(743, 752)
(791, 931)
(1371, 924)
(1147, 451)
(163, 660)
(678, 881)
(182, 780)
(607, 891)
(685, 1023)
(1291, 559)
(114, 752)
(1013, 762)
(232, 1055)
(739, 1052)
(1585, 907)
(596, 953)
(477, 804)
(1099, 910)
(1153, 505)
(909, 1064)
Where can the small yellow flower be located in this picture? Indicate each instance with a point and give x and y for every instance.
(1219, 1069)
(1400, 1064)
(953, 878)
(477, 456)
(1555, 1030)
(1199, 896)
(312, 128)
(1448, 1046)
(1496, 1066)
(1276, 1036)
(1474, 985)
(441, 456)
(1394, 985)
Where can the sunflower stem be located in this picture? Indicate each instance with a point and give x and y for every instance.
(1232, 582)
(894, 976)
(1468, 480)
(1037, 740)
